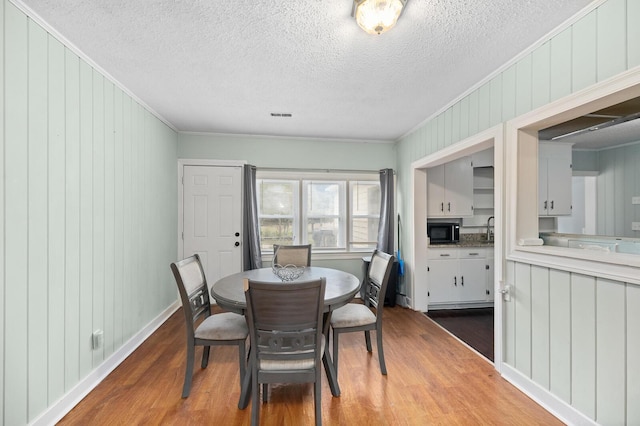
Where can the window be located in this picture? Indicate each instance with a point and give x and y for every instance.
(333, 212)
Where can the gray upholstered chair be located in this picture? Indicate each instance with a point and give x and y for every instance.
(299, 255)
(225, 328)
(287, 344)
(368, 316)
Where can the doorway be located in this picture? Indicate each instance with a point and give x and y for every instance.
(492, 137)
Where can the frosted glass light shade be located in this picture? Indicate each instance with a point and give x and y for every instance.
(377, 16)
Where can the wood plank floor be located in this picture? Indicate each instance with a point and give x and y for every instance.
(432, 379)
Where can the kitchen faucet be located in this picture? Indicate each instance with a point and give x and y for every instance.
(489, 235)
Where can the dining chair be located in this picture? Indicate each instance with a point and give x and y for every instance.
(299, 255)
(225, 328)
(365, 316)
(287, 344)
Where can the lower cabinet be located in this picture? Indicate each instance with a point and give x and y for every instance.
(458, 275)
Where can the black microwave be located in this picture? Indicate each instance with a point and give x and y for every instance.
(443, 232)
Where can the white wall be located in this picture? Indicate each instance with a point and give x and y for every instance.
(88, 218)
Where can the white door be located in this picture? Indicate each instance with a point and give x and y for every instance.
(212, 218)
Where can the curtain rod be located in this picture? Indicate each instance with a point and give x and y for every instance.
(277, 169)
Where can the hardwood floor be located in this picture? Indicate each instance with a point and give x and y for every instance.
(472, 326)
(432, 379)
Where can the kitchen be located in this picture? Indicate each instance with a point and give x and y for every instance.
(460, 255)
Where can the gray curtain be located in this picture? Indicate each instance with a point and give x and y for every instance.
(385, 228)
(251, 254)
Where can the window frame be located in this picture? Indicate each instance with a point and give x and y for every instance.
(521, 151)
(345, 178)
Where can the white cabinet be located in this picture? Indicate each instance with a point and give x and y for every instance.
(490, 274)
(472, 282)
(450, 189)
(554, 179)
(457, 275)
(442, 272)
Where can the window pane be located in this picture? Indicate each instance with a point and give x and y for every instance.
(323, 198)
(276, 197)
(365, 198)
(364, 230)
(365, 214)
(277, 200)
(323, 232)
(276, 231)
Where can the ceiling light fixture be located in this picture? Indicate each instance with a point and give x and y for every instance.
(377, 16)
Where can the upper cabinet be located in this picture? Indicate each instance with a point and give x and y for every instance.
(450, 189)
(554, 179)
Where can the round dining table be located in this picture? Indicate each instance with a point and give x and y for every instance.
(340, 289)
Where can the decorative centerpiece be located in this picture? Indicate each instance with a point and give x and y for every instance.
(287, 272)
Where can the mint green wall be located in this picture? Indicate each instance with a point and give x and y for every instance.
(288, 152)
(617, 182)
(601, 44)
(88, 217)
(584, 161)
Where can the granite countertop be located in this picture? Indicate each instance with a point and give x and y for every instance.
(464, 244)
(467, 240)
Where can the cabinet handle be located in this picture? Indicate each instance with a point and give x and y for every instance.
(551, 204)
(442, 206)
(545, 205)
(448, 206)
(444, 255)
(462, 281)
(474, 254)
(455, 281)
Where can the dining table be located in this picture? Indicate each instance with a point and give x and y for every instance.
(340, 289)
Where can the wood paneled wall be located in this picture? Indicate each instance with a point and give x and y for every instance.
(578, 337)
(88, 217)
(573, 335)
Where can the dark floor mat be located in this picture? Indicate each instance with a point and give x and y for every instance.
(472, 326)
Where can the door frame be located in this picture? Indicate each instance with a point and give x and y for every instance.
(492, 137)
(182, 162)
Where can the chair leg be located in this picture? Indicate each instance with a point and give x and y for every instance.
(243, 361)
(186, 388)
(318, 399)
(367, 339)
(205, 356)
(255, 399)
(335, 351)
(383, 366)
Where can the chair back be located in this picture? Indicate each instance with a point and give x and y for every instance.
(378, 279)
(285, 324)
(299, 255)
(193, 289)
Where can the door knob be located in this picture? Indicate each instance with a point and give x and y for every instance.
(237, 234)
(237, 244)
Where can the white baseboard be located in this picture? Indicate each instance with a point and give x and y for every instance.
(563, 411)
(60, 408)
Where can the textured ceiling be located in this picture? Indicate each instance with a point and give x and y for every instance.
(224, 66)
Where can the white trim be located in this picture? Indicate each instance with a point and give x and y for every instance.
(492, 137)
(289, 138)
(76, 50)
(542, 40)
(520, 134)
(62, 406)
(563, 411)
